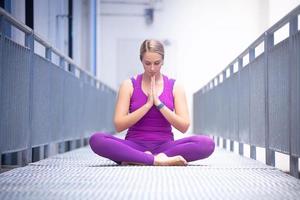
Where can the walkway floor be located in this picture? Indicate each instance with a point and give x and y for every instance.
(80, 174)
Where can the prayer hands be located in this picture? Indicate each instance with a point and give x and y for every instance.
(152, 96)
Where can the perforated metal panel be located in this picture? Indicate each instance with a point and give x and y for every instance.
(41, 102)
(278, 84)
(41, 118)
(57, 95)
(265, 101)
(217, 126)
(101, 103)
(257, 102)
(112, 104)
(73, 107)
(233, 116)
(225, 108)
(196, 117)
(211, 103)
(97, 110)
(14, 108)
(244, 105)
(86, 117)
(198, 112)
(104, 107)
(295, 95)
(202, 113)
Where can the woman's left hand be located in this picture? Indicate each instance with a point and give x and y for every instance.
(180, 118)
(154, 93)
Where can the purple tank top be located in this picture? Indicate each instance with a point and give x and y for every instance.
(152, 126)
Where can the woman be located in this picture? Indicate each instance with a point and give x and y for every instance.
(148, 105)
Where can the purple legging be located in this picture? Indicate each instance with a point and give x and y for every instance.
(118, 150)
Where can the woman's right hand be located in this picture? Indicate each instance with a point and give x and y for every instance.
(150, 100)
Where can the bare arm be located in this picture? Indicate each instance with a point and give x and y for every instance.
(123, 119)
(180, 118)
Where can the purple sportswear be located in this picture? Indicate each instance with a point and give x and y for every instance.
(151, 133)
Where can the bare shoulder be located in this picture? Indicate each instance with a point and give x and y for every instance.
(178, 88)
(127, 83)
(126, 86)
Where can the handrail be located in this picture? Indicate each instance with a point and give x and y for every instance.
(258, 100)
(286, 19)
(61, 104)
(27, 30)
(15, 22)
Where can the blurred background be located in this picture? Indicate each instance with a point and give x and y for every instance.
(201, 37)
(103, 37)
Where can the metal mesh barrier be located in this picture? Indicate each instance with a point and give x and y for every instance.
(244, 105)
(259, 103)
(14, 107)
(295, 95)
(43, 103)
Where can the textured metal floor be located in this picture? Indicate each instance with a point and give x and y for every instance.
(80, 174)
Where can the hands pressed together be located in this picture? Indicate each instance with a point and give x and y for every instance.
(152, 95)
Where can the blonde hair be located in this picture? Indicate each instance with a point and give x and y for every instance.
(154, 46)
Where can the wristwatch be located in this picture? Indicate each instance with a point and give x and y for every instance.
(159, 106)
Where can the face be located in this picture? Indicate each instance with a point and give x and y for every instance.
(152, 63)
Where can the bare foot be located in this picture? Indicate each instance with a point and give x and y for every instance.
(148, 152)
(162, 159)
(129, 163)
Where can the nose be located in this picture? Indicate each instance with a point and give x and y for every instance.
(152, 67)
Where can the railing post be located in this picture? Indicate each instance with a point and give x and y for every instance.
(294, 162)
(62, 147)
(51, 149)
(27, 153)
(224, 78)
(72, 144)
(72, 69)
(81, 141)
(44, 151)
(240, 66)
(1, 25)
(36, 154)
(231, 141)
(48, 53)
(1, 60)
(223, 138)
(268, 44)
(62, 62)
(252, 147)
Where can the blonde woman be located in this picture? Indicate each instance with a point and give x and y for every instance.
(148, 104)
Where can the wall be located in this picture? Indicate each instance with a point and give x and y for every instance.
(204, 37)
(18, 10)
(51, 23)
(81, 30)
(280, 8)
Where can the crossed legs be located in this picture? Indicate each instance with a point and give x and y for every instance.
(191, 148)
(177, 152)
(119, 150)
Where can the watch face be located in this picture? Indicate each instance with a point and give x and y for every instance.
(160, 106)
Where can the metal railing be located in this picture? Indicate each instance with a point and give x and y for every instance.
(259, 102)
(44, 105)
